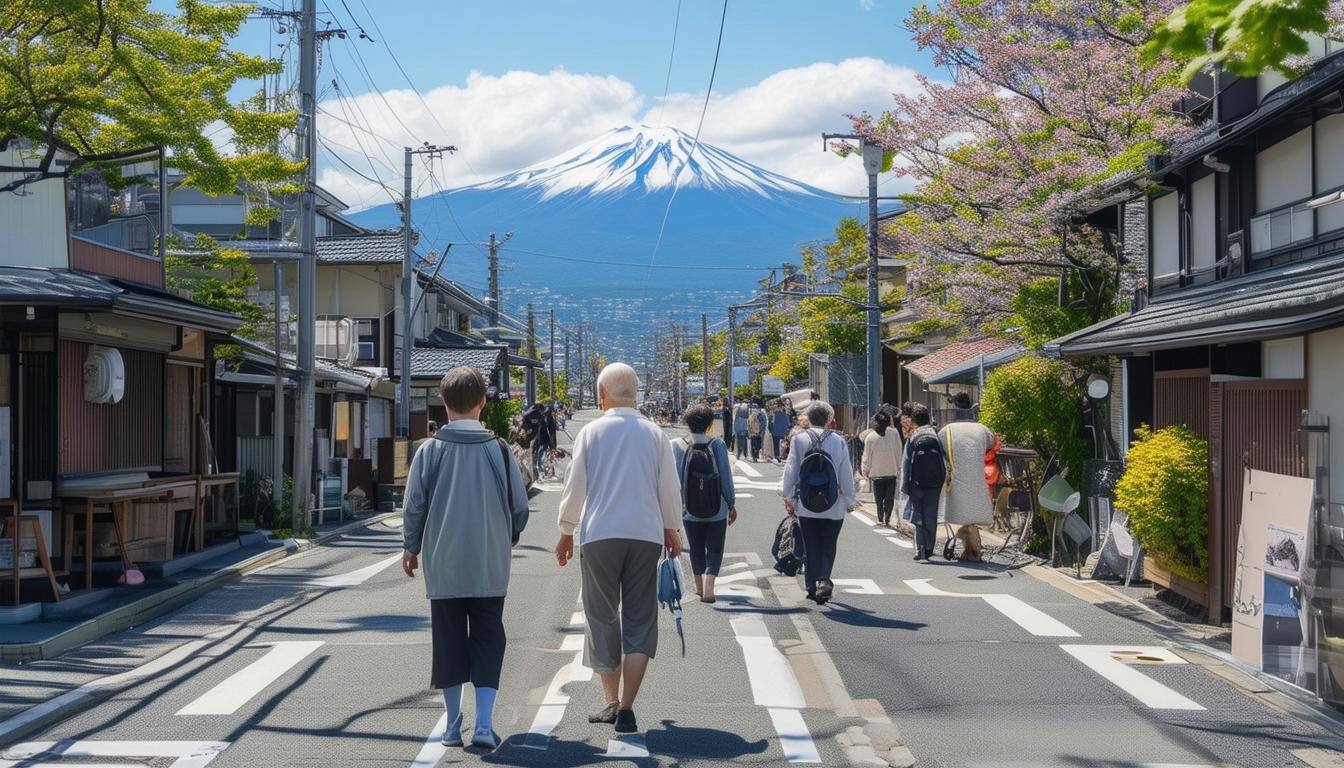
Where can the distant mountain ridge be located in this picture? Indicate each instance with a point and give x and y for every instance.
(604, 201)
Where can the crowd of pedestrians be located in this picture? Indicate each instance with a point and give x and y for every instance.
(627, 498)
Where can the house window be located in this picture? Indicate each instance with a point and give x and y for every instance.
(366, 341)
(1330, 170)
(1203, 229)
(1282, 228)
(1166, 238)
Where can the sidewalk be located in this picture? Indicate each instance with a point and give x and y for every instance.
(84, 617)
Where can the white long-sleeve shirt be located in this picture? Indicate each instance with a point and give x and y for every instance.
(844, 471)
(622, 481)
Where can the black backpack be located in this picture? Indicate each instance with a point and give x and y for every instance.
(701, 486)
(928, 464)
(788, 547)
(818, 483)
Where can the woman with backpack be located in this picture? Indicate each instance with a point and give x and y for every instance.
(707, 496)
(882, 464)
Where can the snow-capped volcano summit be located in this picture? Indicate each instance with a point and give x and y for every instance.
(646, 159)
(585, 224)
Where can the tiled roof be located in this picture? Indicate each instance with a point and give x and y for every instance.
(434, 362)
(953, 355)
(72, 289)
(374, 248)
(1283, 301)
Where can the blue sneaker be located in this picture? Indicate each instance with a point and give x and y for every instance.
(485, 739)
(452, 735)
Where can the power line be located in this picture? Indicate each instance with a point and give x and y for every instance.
(695, 144)
(634, 264)
(667, 81)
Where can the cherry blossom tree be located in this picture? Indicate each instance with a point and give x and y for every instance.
(1044, 100)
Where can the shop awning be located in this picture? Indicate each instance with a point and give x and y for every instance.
(956, 356)
(74, 290)
(1267, 304)
(968, 371)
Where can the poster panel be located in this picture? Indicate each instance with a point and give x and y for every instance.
(1268, 615)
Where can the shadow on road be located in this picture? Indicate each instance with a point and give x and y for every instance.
(844, 613)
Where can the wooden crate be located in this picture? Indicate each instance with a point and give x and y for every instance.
(1162, 577)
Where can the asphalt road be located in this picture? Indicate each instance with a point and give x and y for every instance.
(322, 659)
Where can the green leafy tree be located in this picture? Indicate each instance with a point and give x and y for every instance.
(100, 79)
(217, 277)
(1035, 402)
(1038, 315)
(1246, 37)
(559, 392)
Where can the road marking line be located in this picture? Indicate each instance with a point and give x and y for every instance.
(900, 542)
(747, 469)
(91, 688)
(238, 688)
(1148, 691)
(577, 620)
(354, 578)
(1032, 619)
(745, 495)
(552, 709)
(186, 754)
(433, 750)
(628, 745)
(775, 687)
(866, 520)
(751, 558)
(857, 586)
(794, 738)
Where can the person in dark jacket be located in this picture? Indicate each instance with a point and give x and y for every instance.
(727, 417)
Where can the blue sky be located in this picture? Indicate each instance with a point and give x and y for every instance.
(513, 82)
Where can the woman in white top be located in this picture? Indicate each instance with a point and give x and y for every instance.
(882, 464)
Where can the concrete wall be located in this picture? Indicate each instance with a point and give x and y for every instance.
(1325, 374)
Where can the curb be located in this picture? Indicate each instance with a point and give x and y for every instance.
(79, 699)
(159, 603)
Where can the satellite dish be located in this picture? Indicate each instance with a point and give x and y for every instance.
(1098, 387)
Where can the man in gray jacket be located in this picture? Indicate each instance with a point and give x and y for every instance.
(464, 507)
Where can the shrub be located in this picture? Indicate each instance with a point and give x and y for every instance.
(1165, 490)
(1032, 403)
(498, 415)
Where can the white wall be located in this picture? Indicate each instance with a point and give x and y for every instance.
(1166, 242)
(33, 223)
(1325, 373)
(1330, 169)
(1283, 172)
(1283, 358)
(1203, 224)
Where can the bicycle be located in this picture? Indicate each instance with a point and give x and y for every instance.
(550, 464)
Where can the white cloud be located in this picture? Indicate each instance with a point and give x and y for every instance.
(506, 122)
(866, 5)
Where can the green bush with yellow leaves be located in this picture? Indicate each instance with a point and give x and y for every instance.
(1165, 490)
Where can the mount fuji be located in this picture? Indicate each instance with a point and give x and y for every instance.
(586, 221)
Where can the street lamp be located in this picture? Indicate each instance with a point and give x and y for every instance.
(873, 157)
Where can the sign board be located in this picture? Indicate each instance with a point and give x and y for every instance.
(695, 386)
(741, 375)
(1269, 617)
(772, 385)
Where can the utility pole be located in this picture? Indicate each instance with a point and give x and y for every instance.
(582, 365)
(306, 293)
(403, 427)
(530, 386)
(704, 350)
(873, 157)
(568, 380)
(732, 353)
(677, 388)
(495, 306)
(278, 394)
(550, 347)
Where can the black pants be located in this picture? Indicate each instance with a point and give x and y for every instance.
(924, 509)
(756, 447)
(704, 543)
(820, 537)
(778, 442)
(884, 492)
(728, 433)
(467, 634)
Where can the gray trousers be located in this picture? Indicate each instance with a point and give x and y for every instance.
(924, 517)
(620, 600)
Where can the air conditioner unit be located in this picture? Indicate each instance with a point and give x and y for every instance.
(104, 375)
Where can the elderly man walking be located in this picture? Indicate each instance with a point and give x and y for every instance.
(623, 499)
(818, 489)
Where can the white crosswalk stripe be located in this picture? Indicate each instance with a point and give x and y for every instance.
(241, 686)
(1104, 660)
(183, 754)
(1030, 618)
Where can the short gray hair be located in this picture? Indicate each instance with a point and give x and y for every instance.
(619, 381)
(819, 413)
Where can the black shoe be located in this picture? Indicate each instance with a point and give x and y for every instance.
(824, 590)
(921, 556)
(812, 595)
(928, 554)
(625, 721)
(607, 715)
